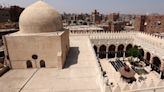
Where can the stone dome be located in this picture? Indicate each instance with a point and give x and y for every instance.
(39, 18)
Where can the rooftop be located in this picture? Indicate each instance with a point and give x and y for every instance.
(79, 74)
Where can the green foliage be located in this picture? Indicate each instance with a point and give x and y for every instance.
(134, 52)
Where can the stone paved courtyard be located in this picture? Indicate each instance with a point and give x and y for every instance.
(152, 79)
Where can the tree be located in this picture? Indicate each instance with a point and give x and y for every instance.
(134, 52)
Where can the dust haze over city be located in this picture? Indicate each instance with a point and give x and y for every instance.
(105, 6)
(81, 46)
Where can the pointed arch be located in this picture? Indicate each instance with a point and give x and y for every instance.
(120, 50)
(156, 64)
(111, 51)
(102, 52)
(129, 46)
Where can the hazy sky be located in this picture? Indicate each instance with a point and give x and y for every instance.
(104, 6)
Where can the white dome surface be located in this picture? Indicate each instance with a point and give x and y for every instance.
(39, 18)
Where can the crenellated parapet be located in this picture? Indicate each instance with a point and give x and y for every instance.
(123, 33)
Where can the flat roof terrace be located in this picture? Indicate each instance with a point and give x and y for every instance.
(79, 74)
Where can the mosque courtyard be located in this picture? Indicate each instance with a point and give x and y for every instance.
(149, 80)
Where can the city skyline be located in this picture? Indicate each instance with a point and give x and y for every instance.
(85, 6)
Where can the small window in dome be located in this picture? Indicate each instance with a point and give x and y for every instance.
(34, 56)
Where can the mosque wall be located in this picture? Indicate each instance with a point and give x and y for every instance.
(64, 47)
(22, 48)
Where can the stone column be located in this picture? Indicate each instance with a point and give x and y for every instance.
(151, 59)
(144, 57)
(115, 54)
(145, 52)
(116, 51)
(107, 52)
(124, 53)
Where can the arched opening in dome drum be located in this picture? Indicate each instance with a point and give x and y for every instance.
(95, 48)
(29, 64)
(120, 50)
(111, 51)
(102, 52)
(42, 64)
(156, 64)
(129, 46)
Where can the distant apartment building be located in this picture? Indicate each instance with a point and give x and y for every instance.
(115, 23)
(10, 14)
(117, 26)
(140, 22)
(84, 28)
(110, 22)
(96, 17)
(150, 23)
(76, 19)
(114, 16)
(4, 15)
(9, 17)
(15, 12)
